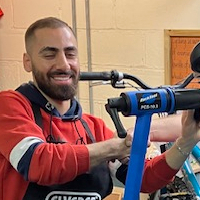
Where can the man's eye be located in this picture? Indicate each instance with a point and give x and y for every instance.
(49, 56)
(70, 55)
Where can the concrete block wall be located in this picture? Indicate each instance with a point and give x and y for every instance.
(125, 35)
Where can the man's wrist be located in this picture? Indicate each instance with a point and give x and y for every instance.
(179, 148)
(185, 145)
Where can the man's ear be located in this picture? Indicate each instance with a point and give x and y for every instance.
(27, 62)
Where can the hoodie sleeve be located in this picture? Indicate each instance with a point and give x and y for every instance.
(23, 144)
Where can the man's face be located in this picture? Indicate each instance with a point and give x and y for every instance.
(54, 62)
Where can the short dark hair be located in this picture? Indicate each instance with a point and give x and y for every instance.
(48, 22)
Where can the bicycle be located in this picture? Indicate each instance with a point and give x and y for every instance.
(143, 104)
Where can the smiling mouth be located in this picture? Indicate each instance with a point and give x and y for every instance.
(61, 78)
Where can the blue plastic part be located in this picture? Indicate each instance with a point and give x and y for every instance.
(136, 163)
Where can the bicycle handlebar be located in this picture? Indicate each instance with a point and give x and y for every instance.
(103, 76)
(114, 76)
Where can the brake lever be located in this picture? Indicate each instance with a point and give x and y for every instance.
(115, 118)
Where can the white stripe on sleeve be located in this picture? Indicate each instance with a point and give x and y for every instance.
(21, 148)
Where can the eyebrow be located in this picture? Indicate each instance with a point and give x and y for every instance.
(54, 49)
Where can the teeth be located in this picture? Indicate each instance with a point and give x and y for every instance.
(62, 78)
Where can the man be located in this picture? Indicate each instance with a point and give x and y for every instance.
(65, 153)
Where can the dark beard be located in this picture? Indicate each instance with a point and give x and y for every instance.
(57, 92)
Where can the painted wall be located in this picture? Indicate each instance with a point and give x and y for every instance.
(125, 35)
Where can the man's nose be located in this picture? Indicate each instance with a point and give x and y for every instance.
(62, 62)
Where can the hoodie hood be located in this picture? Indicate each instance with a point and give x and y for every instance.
(33, 94)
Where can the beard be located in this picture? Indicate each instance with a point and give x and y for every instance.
(57, 92)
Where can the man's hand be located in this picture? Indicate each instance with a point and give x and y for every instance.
(190, 128)
(190, 136)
